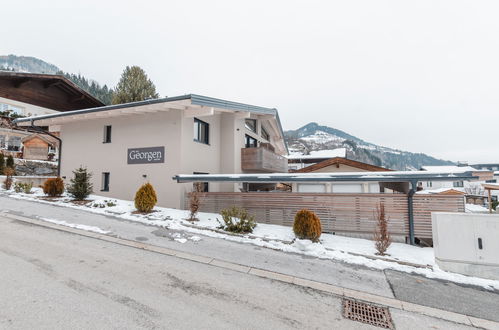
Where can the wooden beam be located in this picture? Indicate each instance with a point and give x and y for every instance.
(51, 83)
(242, 115)
(204, 111)
(19, 82)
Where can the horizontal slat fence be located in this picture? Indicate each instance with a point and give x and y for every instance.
(341, 213)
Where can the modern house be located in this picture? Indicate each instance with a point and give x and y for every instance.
(32, 94)
(129, 144)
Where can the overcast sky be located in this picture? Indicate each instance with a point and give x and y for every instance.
(421, 76)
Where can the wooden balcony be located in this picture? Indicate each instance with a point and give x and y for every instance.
(261, 159)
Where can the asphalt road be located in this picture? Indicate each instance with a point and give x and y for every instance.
(57, 280)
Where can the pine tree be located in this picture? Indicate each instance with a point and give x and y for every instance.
(80, 186)
(133, 86)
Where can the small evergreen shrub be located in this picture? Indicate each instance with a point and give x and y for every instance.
(307, 225)
(237, 220)
(145, 198)
(53, 187)
(10, 162)
(7, 183)
(494, 205)
(23, 187)
(80, 186)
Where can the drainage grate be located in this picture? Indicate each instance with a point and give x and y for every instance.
(370, 314)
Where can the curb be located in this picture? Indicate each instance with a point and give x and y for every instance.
(329, 288)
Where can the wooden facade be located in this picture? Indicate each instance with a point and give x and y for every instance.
(53, 92)
(262, 159)
(339, 213)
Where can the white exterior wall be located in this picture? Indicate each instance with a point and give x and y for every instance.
(456, 241)
(83, 145)
(28, 109)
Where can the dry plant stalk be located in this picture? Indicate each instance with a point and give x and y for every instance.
(382, 239)
(194, 202)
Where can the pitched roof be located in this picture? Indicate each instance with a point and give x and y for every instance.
(48, 139)
(50, 91)
(342, 161)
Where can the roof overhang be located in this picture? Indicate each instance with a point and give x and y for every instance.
(393, 176)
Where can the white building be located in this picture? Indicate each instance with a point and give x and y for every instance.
(127, 145)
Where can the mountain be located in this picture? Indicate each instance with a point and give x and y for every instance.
(36, 65)
(313, 137)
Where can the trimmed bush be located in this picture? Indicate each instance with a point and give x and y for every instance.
(307, 225)
(80, 186)
(145, 198)
(237, 220)
(53, 187)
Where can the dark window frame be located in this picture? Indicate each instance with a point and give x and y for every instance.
(206, 185)
(248, 127)
(198, 134)
(248, 138)
(105, 181)
(107, 134)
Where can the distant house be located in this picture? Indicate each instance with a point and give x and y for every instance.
(297, 161)
(39, 147)
(341, 164)
(473, 191)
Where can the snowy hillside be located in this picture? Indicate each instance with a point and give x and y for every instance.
(313, 137)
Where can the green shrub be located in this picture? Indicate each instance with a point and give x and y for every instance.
(53, 187)
(145, 198)
(10, 162)
(80, 186)
(237, 220)
(495, 204)
(23, 187)
(307, 225)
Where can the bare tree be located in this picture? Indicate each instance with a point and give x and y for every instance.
(194, 202)
(382, 239)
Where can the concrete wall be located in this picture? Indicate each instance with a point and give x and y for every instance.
(467, 243)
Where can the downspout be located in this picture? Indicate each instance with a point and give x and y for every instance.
(38, 129)
(410, 211)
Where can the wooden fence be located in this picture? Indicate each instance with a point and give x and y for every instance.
(339, 213)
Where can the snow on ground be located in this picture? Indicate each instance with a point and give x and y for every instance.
(351, 250)
(326, 153)
(472, 208)
(77, 226)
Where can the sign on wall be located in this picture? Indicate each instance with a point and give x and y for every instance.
(149, 155)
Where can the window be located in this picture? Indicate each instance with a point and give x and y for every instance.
(265, 135)
(458, 184)
(107, 134)
(429, 184)
(14, 143)
(251, 142)
(12, 109)
(203, 186)
(105, 181)
(250, 124)
(201, 131)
